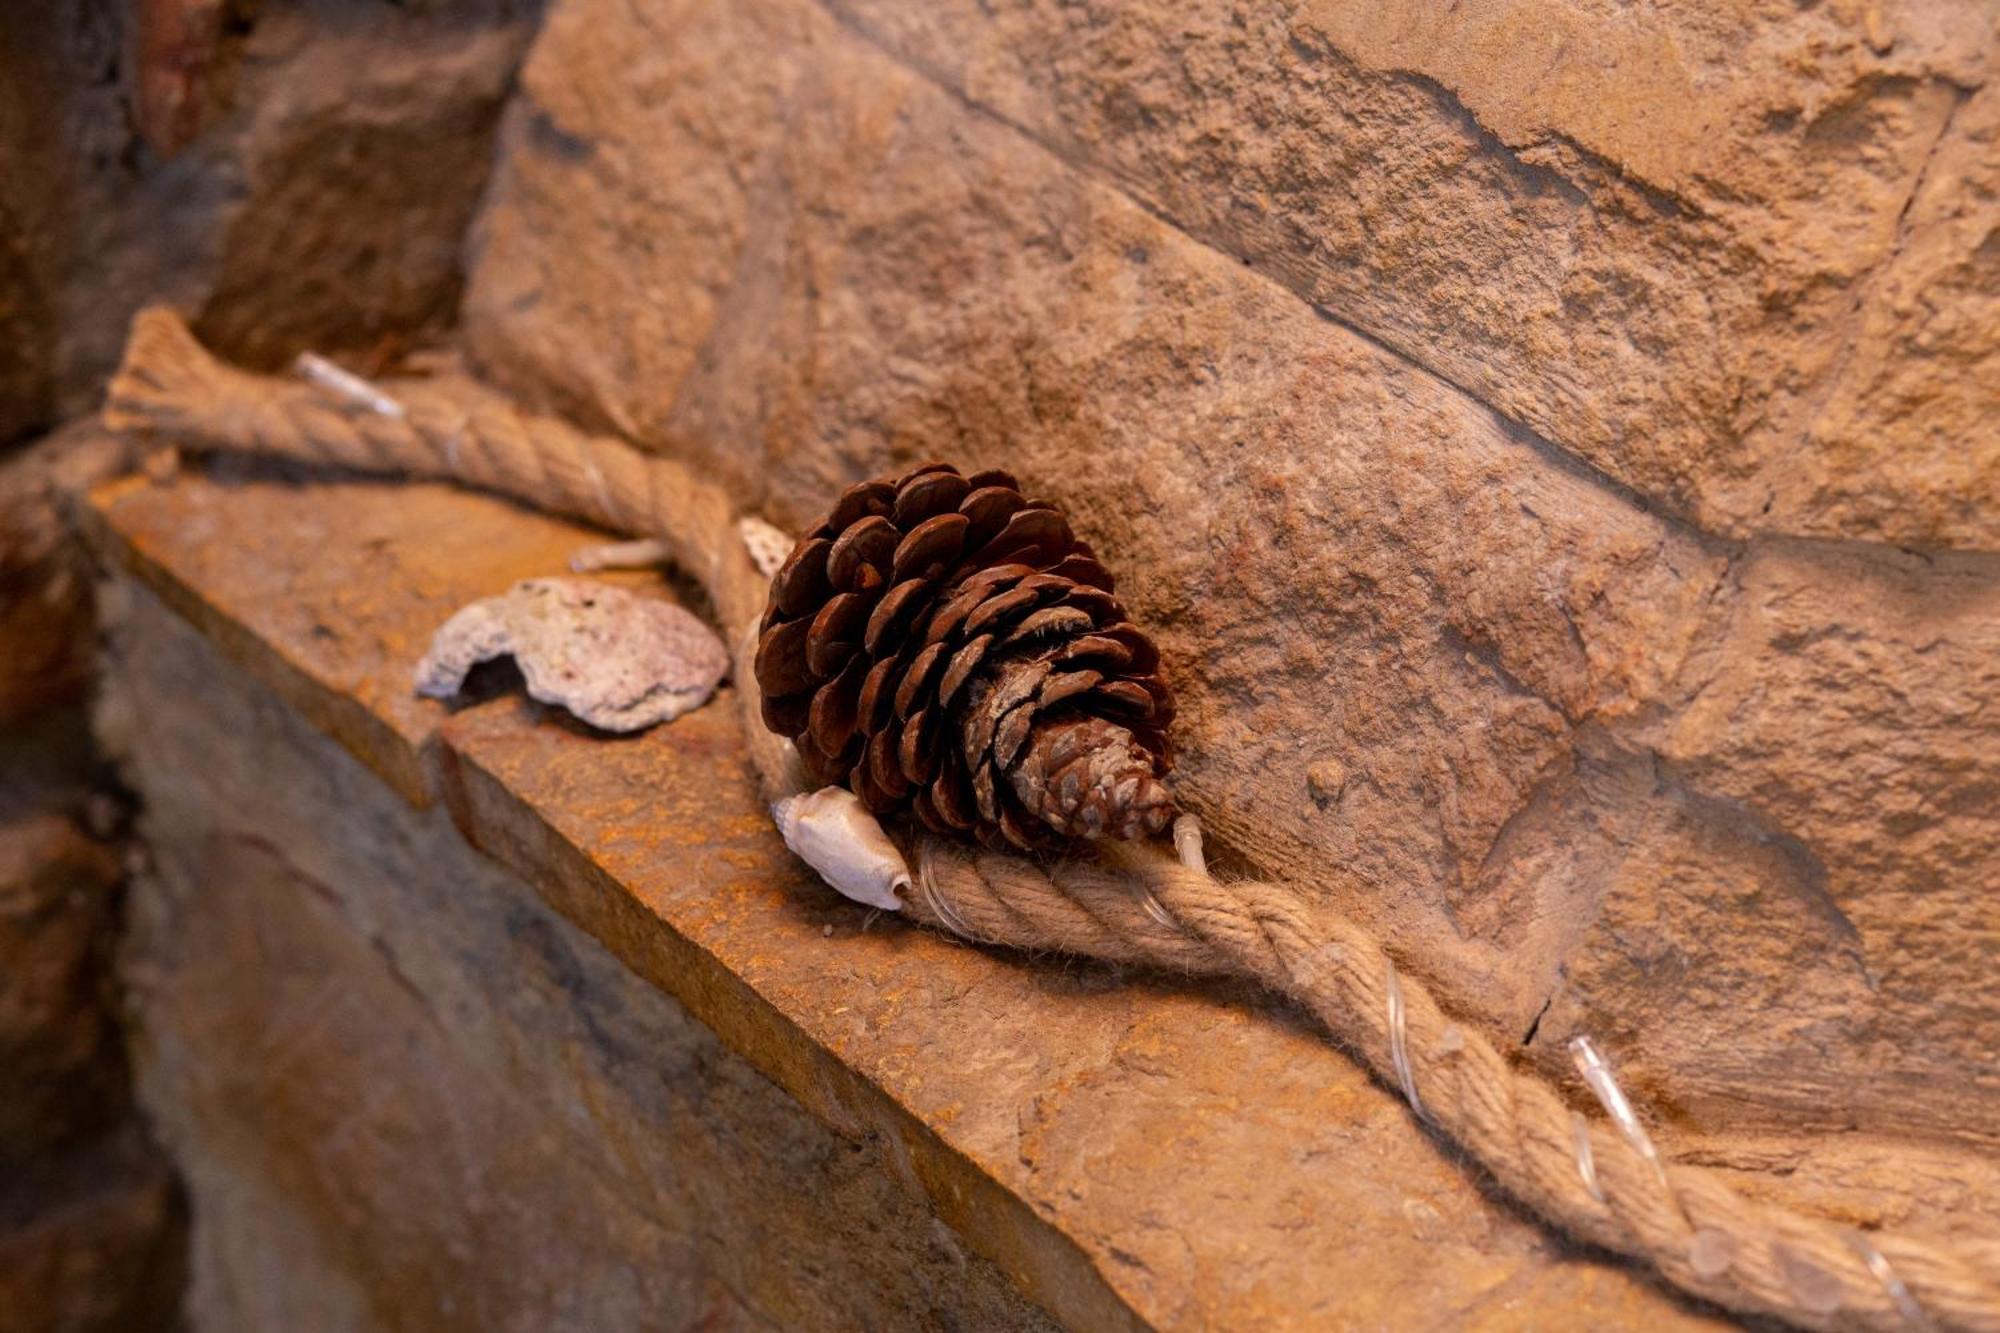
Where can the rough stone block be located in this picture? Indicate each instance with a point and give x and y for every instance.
(1429, 664)
(329, 157)
(1739, 257)
(60, 1076)
(92, 1240)
(46, 629)
(30, 184)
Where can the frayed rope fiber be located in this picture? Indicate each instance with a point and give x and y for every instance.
(1136, 903)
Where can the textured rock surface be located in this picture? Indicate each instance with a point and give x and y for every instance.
(27, 185)
(1727, 803)
(332, 154)
(90, 1224)
(1455, 386)
(1741, 257)
(91, 1233)
(46, 632)
(1125, 1149)
(91, 1241)
(1847, 738)
(406, 1095)
(299, 175)
(59, 1072)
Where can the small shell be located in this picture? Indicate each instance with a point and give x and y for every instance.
(833, 833)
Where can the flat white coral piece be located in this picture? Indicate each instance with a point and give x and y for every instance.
(618, 661)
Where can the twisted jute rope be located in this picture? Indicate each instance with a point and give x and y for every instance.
(1598, 1179)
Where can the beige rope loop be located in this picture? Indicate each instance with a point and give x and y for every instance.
(1138, 904)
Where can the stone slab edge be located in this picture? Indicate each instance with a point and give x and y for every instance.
(426, 770)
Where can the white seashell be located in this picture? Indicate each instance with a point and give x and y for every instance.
(831, 831)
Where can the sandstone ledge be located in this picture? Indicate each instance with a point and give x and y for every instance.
(1130, 1152)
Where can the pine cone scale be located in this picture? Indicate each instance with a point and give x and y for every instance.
(916, 680)
(987, 511)
(929, 495)
(951, 617)
(1012, 733)
(885, 765)
(801, 582)
(916, 753)
(1084, 569)
(1030, 528)
(1066, 685)
(831, 718)
(952, 799)
(878, 694)
(781, 663)
(835, 632)
(959, 671)
(1051, 622)
(935, 541)
(870, 543)
(858, 502)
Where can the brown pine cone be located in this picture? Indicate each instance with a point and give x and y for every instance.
(943, 643)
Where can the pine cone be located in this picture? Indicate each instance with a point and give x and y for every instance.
(942, 643)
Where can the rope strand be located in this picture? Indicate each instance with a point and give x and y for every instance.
(1138, 903)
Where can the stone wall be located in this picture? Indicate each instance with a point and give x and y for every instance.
(1555, 451)
(1554, 447)
(293, 173)
(92, 1227)
(306, 185)
(1735, 257)
(91, 1219)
